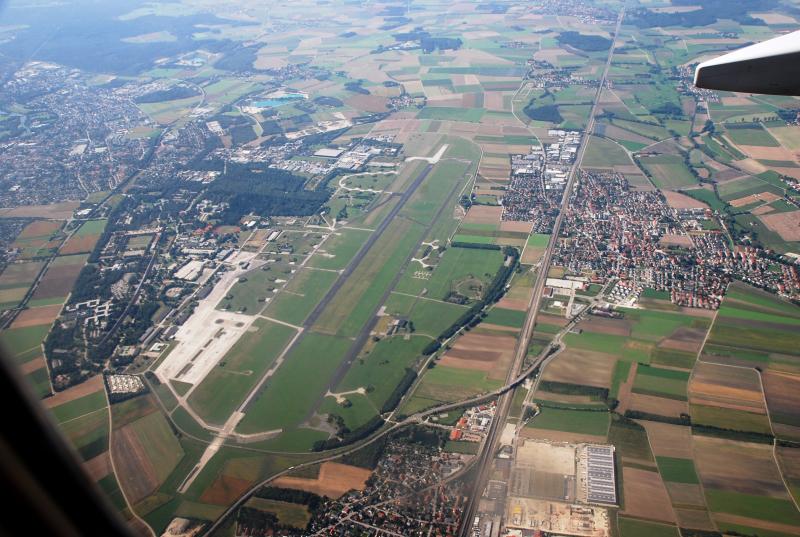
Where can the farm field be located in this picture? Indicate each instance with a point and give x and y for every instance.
(754, 329)
(85, 238)
(15, 281)
(668, 172)
(59, 278)
(40, 238)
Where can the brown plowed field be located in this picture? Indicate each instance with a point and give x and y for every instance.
(79, 244)
(787, 225)
(561, 436)
(766, 197)
(728, 387)
(658, 405)
(783, 395)
(484, 214)
(578, 366)
(333, 481)
(513, 304)
(32, 365)
(600, 325)
(39, 228)
(645, 495)
(481, 352)
(696, 519)
(98, 467)
(676, 200)
(92, 385)
(738, 466)
(225, 490)
(57, 282)
(685, 494)
(668, 440)
(37, 316)
(520, 227)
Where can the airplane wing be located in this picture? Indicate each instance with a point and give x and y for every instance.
(771, 67)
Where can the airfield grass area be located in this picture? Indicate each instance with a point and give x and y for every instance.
(226, 386)
(298, 299)
(288, 397)
(338, 250)
(463, 271)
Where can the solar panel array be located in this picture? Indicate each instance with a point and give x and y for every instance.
(601, 481)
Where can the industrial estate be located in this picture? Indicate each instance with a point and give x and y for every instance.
(407, 268)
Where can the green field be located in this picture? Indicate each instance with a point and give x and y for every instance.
(572, 421)
(79, 407)
(381, 370)
(472, 115)
(668, 171)
(290, 394)
(24, 344)
(751, 506)
(430, 317)
(754, 135)
(300, 296)
(226, 386)
(445, 384)
(355, 301)
(160, 444)
(677, 470)
(251, 291)
(465, 271)
(289, 514)
(727, 418)
(92, 227)
(88, 434)
(338, 250)
(630, 527)
(604, 153)
(661, 382)
(753, 326)
(15, 281)
(505, 317)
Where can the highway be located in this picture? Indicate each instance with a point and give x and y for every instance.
(486, 455)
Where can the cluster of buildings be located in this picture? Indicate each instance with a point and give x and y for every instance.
(408, 494)
(472, 426)
(65, 136)
(634, 236)
(538, 180)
